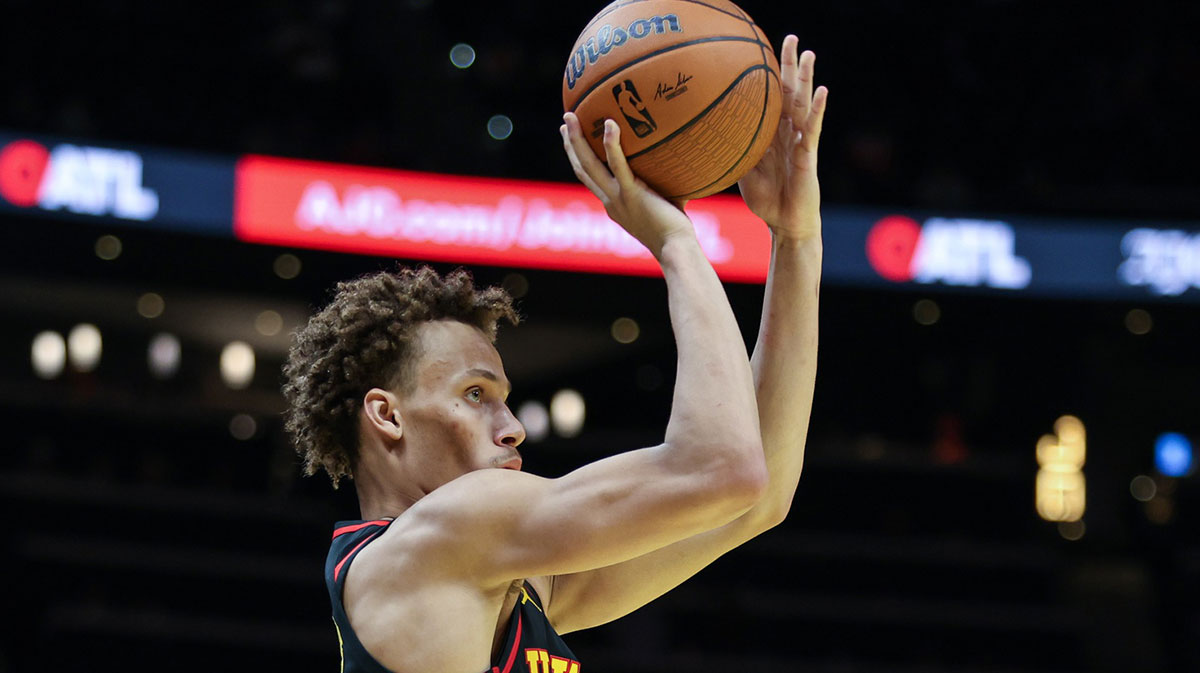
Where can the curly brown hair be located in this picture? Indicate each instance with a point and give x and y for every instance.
(364, 339)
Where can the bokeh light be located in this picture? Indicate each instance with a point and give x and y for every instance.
(268, 323)
(84, 345)
(462, 55)
(516, 284)
(1173, 455)
(150, 305)
(1142, 488)
(242, 427)
(500, 127)
(926, 312)
(625, 330)
(1072, 530)
(1139, 322)
(163, 355)
(49, 354)
(237, 364)
(108, 247)
(536, 419)
(287, 266)
(567, 412)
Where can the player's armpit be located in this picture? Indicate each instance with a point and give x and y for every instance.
(493, 526)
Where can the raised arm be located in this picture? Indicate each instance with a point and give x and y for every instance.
(783, 191)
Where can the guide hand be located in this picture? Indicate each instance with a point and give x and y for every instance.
(648, 217)
(782, 189)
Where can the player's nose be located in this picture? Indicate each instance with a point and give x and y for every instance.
(510, 432)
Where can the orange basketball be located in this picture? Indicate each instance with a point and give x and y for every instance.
(694, 86)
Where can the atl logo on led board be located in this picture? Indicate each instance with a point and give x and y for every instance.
(960, 252)
(78, 179)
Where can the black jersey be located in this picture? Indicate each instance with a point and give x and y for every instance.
(530, 646)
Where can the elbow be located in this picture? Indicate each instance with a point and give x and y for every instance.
(728, 479)
(776, 514)
(744, 480)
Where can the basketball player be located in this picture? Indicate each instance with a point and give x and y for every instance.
(463, 563)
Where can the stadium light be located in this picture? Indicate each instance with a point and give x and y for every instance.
(1060, 490)
(49, 354)
(1173, 455)
(163, 355)
(567, 411)
(237, 364)
(84, 346)
(536, 419)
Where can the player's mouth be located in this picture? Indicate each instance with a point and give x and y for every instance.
(512, 463)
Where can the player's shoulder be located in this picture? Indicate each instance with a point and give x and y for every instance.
(454, 523)
(473, 498)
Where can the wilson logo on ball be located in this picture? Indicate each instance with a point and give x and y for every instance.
(608, 37)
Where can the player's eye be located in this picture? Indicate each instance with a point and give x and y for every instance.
(475, 394)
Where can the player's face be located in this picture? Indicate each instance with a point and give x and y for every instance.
(456, 419)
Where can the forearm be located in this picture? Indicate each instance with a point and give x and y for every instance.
(713, 415)
(784, 365)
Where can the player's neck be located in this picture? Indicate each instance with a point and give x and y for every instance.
(383, 489)
(374, 504)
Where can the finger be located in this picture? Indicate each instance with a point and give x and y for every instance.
(589, 163)
(802, 101)
(817, 118)
(577, 167)
(811, 136)
(788, 68)
(616, 156)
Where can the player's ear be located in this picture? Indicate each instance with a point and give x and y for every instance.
(382, 412)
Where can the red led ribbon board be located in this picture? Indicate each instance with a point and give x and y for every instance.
(424, 216)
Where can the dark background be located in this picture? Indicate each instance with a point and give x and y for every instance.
(140, 534)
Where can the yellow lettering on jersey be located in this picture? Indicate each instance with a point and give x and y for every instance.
(541, 661)
(533, 659)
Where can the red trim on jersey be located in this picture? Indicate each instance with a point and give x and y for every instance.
(512, 656)
(338, 568)
(350, 529)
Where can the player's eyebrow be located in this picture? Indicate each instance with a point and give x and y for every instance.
(489, 375)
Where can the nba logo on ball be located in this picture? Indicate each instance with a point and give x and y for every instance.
(634, 59)
(636, 114)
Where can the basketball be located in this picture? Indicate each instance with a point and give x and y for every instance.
(694, 86)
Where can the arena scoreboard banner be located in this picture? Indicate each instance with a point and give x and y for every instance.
(1086, 259)
(470, 220)
(561, 226)
(92, 182)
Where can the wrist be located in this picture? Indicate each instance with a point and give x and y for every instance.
(783, 236)
(805, 252)
(805, 228)
(681, 254)
(677, 243)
